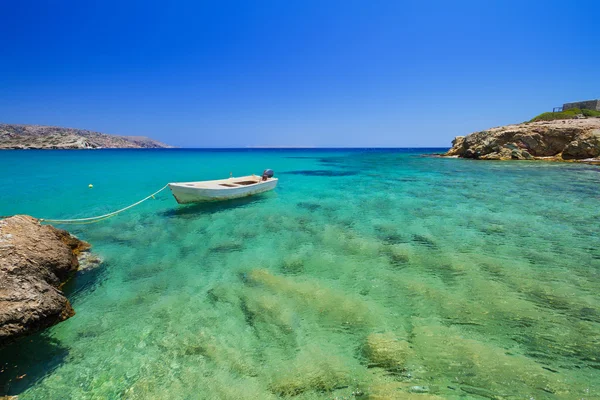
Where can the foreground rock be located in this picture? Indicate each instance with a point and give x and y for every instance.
(18, 137)
(35, 260)
(574, 139)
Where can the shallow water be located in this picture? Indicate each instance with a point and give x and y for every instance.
(365, 274)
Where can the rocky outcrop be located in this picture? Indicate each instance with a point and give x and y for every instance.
(35, 260)
(18, 137)
(574, 139)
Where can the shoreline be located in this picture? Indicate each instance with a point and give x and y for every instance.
(588, 161)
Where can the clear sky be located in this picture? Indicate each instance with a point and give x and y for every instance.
(294, 73)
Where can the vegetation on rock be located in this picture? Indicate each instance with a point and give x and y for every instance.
(567, 114)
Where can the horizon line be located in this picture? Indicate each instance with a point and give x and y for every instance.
(309, 147)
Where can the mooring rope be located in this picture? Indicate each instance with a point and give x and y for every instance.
(99, 218)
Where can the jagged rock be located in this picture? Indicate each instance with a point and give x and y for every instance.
(587, 146)
(563, 140)
(457, 146)
(35, 260)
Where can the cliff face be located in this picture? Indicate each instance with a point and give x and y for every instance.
(574, 139)
(49, 137)
(35, 260)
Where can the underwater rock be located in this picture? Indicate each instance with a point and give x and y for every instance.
(393, 390)
(425, 240)
(313, 369)
(332, 305)
(88, 261)
(35, 260)
(419, 389)
(293, 265)
(307, 205)
(483, 368)
(481, 392)
(398, 255)
(385, 351)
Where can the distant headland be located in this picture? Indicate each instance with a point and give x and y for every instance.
(568, 133)
(21, 137)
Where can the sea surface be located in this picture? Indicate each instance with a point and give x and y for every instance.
(366, 274)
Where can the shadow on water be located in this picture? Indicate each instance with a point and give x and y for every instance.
(303, 157)
(85, 281)
(216, 206)
(320, 172)
(27, 361)
(322, 160)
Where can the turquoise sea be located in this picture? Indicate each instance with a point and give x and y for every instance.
(367, 274)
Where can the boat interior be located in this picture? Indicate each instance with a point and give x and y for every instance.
(247, 182)
(239, 183)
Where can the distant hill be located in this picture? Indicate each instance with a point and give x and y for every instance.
(51, 137)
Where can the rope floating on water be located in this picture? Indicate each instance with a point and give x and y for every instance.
(99, 218)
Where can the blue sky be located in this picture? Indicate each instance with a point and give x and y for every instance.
(294, 73)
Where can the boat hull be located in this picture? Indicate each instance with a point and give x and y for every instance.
(185, 193)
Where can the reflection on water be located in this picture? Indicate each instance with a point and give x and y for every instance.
(422, 278)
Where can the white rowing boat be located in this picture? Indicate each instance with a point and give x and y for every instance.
(222, 189)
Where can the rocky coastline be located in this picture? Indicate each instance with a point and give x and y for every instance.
(559, 140)
(24, 137)
(35, 261)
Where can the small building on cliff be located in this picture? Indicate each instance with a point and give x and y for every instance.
(588, 105)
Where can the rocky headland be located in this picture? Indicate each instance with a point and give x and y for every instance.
(35, 260)
(559, 140)
(19, 137)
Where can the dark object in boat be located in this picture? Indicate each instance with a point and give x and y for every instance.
(267, 173)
